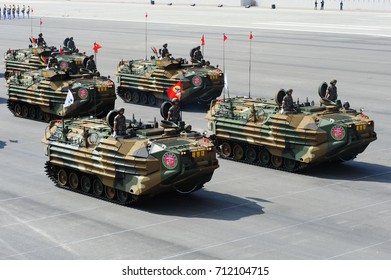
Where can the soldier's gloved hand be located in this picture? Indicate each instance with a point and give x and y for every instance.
(114, 134)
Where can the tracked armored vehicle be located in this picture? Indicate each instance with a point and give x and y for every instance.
(146, 81)
(41, 94)
(84, 156)
(20, 60)
(255, 131)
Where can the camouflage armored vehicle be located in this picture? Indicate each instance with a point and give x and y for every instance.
(84, 156)
(255, 131)
(20, 60)
(146, 81)
(41, 94)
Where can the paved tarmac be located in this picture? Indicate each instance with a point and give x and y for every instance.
(245, 212)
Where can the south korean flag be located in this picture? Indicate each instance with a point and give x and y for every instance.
(69, 100)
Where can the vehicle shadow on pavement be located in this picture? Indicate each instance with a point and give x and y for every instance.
(196, 108)
(352, 171)
(3, 100)
(202, 204)
(2, 144)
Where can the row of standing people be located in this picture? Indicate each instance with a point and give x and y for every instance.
(322, 5)
(13, 11)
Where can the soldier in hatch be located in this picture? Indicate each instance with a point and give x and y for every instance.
(174, 113)
(287, 102)
(331, 92)
(119, 124)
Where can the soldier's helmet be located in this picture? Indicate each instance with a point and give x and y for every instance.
(333, 81)
(165, 45)
(289, 90)
(40, 34)
(121, 110)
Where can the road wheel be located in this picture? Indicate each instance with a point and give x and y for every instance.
(97, 187)
(18, 110)
(151, 99)
(290, 164)
(85, 184)
(25, 111)
(251, 154)
(73, 180)
(128, 96)
(143, 98)
(39, 114)
(226, 149)
(135, 97)
(264, 157)
(33, 113)
(62, 177)
(109, 192)
(276, 161)
(122, 196)
(47, 117)
(238, 152)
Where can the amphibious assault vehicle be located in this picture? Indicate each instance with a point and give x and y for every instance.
(41, 94)
(146, 81)
(85, 157)
(34, 58)
(255, 131)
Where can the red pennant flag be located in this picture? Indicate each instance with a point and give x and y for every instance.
(96, 47)
(154, 50)
(225, 37)
(40, 21)
(251, 36)
(202, 40)
(61, 50)
(175, 91)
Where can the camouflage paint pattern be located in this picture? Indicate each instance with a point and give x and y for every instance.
(40, 94)
(254, 131)
(149, 161)
(20, 60)
(146, 81)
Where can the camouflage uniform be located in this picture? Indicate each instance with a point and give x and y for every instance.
(198, 55)
(53, 62)
(288, 103)
(41, 41)
(120, 124)
(332, 93)
(165, 51)
(174, 114)
(91, 64)
(71, 45)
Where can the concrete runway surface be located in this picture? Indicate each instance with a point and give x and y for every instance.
(245, 212)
